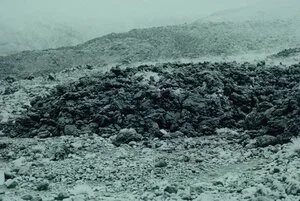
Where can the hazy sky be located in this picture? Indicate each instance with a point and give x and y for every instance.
(93, 18)
(118, 10)
(116, 15)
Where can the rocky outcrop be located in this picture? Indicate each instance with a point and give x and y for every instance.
(193, 99)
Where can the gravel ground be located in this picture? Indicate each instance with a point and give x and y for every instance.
(90, 167)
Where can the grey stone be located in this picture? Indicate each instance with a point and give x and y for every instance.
(9, 175)
(161, 163)
(275, 170)
(126, 136)
(43, 186)
(199, 160)
(27, 197)
(62, 196)
(171, 189)
(185, 158)
(3, 145)
(266, 140)
(186, 196)
(11, 183)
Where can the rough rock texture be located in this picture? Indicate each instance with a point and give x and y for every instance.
(194, 99)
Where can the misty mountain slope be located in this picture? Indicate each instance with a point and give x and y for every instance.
(30, 36)
(211, 38)
(153, 44)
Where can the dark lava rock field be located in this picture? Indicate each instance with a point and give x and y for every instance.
(171, 100)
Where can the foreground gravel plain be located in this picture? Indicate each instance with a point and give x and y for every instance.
(90, 167)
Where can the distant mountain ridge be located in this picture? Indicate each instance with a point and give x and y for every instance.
(270, 26)
(171, 42)
(33, 36)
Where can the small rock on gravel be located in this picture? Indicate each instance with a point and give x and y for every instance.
(171, 189)
(27, 197)
(275, 170)
(266, 140)
(126, 136)
(185, 158)
(199, 160)
(43, 186)
(9, 175)
(186, 196)
(3, 145)
(161, 163)
(62, 196)
(11, 183)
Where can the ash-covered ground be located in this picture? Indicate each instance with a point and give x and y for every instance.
(172, 131)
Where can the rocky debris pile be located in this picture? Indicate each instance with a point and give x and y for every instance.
(15, 95)
(171, 100)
